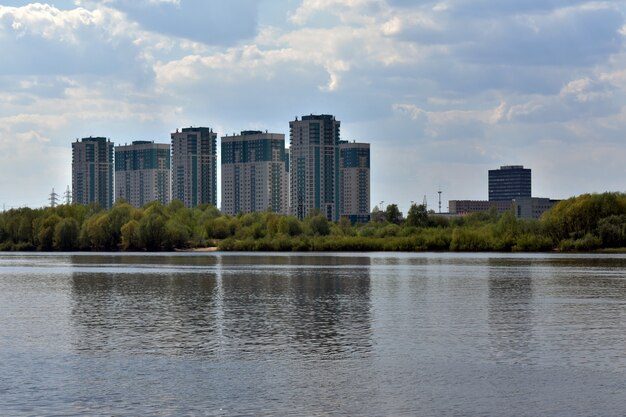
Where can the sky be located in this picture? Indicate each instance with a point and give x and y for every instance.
(442, 90)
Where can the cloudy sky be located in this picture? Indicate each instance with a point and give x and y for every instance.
(443, 90)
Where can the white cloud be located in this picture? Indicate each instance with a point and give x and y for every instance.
(456, 85)
(490, 116)
(345, 9)
(411, 110)
(47, 21)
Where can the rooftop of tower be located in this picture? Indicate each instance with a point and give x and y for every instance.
(318, 117)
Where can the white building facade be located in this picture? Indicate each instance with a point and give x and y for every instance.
(142, 173)
(92, 171)
(355, 181)
(255, 173)
(314, 166)
(194, 166)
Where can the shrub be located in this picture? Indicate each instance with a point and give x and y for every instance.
(470, 240)
(533, 243)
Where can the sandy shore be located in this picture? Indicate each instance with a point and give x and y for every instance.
(209, 249)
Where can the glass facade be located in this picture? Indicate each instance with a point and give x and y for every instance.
(509, 182)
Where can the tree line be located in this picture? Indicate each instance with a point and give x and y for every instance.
(583, 223)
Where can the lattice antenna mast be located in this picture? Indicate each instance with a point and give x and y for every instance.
(54, 198)
(439, 199)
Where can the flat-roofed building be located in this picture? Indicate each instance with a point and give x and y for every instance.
(142, 173)
(255, 173)
(532, 207)
(478, 206)
(194, 166)
(92, 171)
(509, 182)
(314, 166)
(355, 181)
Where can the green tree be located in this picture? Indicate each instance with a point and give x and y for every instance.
(220, 228)
(25, 231)
(290, 226)
(152, 232)
(505, 232)
(318, 225)
(96, 233)
(131, 239)
(66, 234)
(417, 216)
(612, 231)
(392, 214)
(45, 231)
(178, 234)
(345, 226)
(119, 215)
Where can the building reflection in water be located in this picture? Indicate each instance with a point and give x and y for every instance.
(510, 310)
(222, 305)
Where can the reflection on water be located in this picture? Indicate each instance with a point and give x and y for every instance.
(163, 313)
(312, 334)
(227, 305)
(510, 311)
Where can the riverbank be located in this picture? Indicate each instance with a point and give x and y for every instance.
(581, 224)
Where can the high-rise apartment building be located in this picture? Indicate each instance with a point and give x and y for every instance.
(142, 173)
(194, 166)
(314, 166)
(355, 181)
(509, 182)
(92, 171)
(255, 173)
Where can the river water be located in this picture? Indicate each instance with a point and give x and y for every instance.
(312, 334)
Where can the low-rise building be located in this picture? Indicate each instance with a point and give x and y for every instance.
(478, 206)
(532, 207)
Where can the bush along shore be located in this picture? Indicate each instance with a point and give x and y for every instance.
(590, 222)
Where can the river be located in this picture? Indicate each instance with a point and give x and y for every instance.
(231, 334)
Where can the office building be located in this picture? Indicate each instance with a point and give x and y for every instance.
(92, 171)
(255, 173)
(355, 181)
(194, 166)
(509, 182)
(314, 166)
(142, 173)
